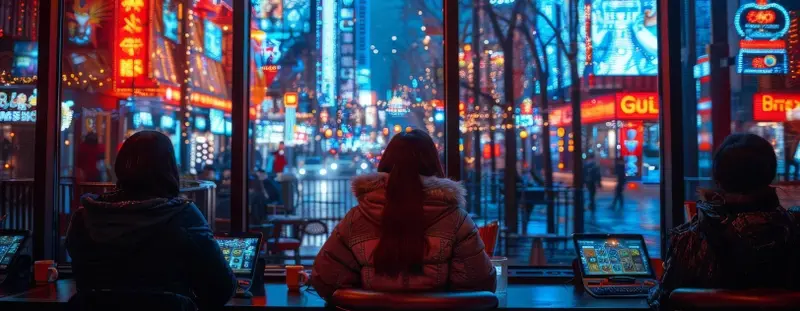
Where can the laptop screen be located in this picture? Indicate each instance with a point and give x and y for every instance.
(10, 245)
(240, 253)
(610, 255)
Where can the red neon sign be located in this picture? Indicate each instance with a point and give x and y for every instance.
(637, 106)
(131, 43)
(773, 107)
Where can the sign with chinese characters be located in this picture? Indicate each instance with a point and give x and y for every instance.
(326, 42)
(131, 43)
(347, 52)
(763, 27)
(18, 106)
(774, 107)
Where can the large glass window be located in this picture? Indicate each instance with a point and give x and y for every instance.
(129, 66)
(528, 67)
(18, 75)
(756, 94)
(331, 82)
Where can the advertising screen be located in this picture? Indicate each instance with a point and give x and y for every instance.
(624, 40)
(217, 120)
(26, 58)
(212, 40)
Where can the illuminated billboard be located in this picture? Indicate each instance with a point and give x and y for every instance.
(624, 38)
(169, 17)
(131, 57)
(763, 27)
(212, 40)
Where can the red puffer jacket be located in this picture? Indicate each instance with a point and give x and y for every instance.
(455, 260)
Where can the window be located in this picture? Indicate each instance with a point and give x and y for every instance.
(520, 78)
(326, 98)
(18, 75)
(129, 66)
(756, 94)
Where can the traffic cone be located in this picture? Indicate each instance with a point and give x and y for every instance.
(537, 253)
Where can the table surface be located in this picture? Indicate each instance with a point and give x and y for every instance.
(518, 297)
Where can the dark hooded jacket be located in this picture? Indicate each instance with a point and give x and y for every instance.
(734, 242)
(455, 260)
(152, 245)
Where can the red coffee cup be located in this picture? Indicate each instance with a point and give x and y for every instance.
(44, 271)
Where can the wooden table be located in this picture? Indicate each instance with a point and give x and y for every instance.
(518, 297)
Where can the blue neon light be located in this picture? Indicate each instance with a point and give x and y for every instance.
(167, 122)
(170, 20)
(212, 40)
(759, 31)
(438, 117)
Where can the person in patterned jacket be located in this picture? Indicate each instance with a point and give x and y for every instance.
(741, 237)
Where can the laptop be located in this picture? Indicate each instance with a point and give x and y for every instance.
(241, 252)
(614, 265)
(12, 247)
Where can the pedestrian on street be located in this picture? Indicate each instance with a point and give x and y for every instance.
(592, 179)
(619, 195)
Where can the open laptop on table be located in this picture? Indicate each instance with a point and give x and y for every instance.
(14, 259)
(614, 265)
(241, 252)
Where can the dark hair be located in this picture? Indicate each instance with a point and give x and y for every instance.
(91, 138)
(146, 167)
(744, 163)
(402, 245)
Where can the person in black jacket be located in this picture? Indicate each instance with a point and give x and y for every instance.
(619, 190)
(741, 237)
(144, 236)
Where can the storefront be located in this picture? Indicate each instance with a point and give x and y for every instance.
(619, 125)
(775, 116)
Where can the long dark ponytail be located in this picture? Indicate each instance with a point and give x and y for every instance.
(402, 245)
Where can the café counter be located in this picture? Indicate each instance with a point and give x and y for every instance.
(519, 297)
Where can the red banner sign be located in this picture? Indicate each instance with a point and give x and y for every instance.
(631, 138)
(131, 43)
(619, 106)
(598, 109)
(773, 107)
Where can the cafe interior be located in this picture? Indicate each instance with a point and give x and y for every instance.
(293, 98)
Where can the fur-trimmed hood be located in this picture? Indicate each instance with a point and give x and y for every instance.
(441, 195)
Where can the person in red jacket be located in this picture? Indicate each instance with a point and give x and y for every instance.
(280, 159)
(90, 152)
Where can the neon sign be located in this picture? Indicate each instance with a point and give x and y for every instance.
(18, 106)
(619, 106)
(169, 16)
(774, 107)
(347, 55)
(212, 40)
(131, 56)
(327, 42)
(762, 27)
(637, 106)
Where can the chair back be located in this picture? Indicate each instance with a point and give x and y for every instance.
(697, 299)
(129, 300)
(356, 299)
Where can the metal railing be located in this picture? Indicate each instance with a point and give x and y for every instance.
(16, 200)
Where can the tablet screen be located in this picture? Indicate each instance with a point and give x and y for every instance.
(240, 253)
(10, 245)
(612, 256)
